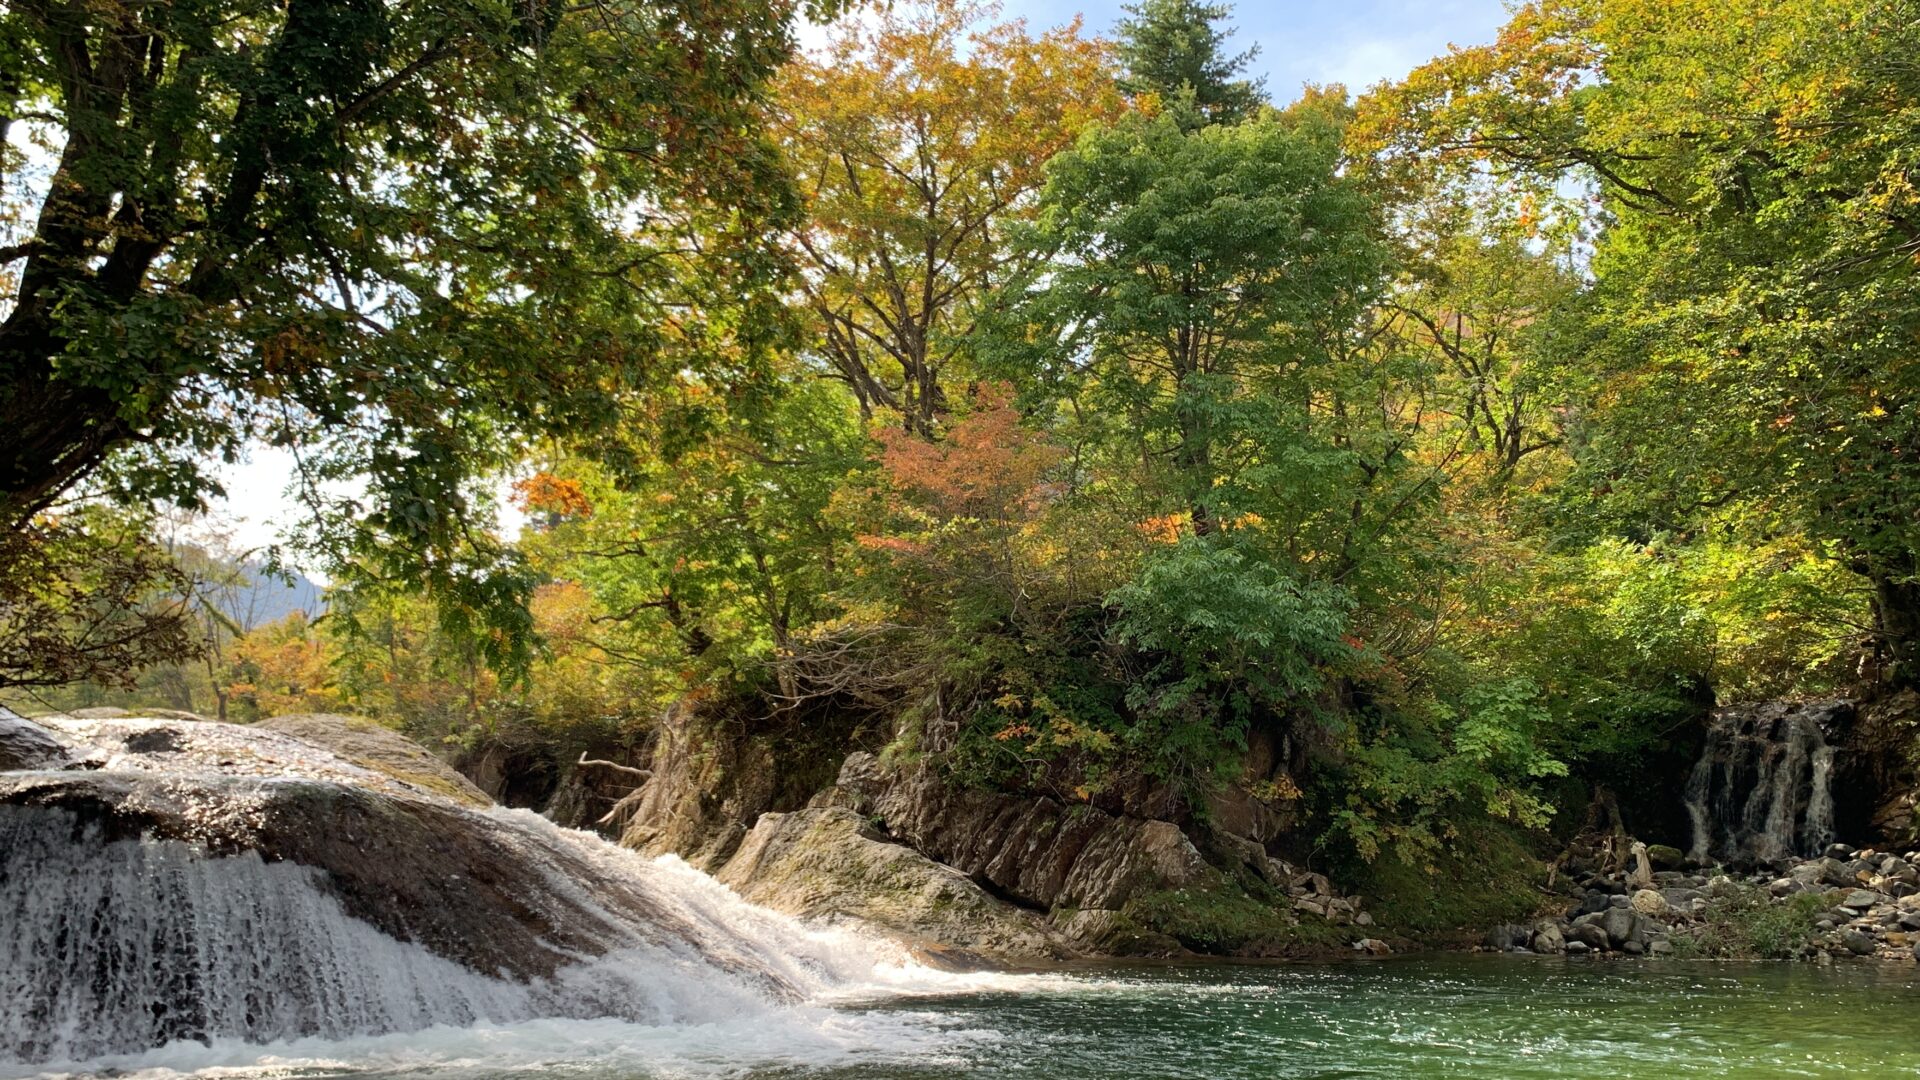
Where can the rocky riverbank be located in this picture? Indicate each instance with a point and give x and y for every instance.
(1845, 903)
(1021, 877)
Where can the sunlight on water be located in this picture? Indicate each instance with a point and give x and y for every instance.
(1479, 1016)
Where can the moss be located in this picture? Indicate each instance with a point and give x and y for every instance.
(1223, 918)
(1751, 925)
(439, 785)
(1489, 874)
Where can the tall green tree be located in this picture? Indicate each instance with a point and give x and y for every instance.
(1175, 47)
(399, 237)
(1757, 292)
(1195, 336)
(1200, 284)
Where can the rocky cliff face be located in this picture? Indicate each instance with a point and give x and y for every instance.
(1019, 876)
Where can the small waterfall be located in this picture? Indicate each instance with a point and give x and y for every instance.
(1762, 791)
(117, 940)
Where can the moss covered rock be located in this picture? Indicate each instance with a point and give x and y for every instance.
(382, 750)
(829, 862)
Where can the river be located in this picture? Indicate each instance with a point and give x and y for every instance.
(1495, 1016)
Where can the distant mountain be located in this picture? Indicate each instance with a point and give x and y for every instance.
(248, 592)
(268, 598)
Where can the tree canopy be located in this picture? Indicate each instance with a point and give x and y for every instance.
(402, 239)
(1059, 408)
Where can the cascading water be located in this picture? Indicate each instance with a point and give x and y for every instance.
(156, 898)
(1762, 789)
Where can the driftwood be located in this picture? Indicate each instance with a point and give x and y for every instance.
(602, 763)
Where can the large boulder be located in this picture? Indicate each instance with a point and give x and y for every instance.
(382, 750)
(711, 776)
(830, 863)
(1033, 849)
(26, 745)
(199, 881)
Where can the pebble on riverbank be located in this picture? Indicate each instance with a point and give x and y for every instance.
(1846, 902)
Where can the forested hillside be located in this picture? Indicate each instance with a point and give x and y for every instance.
(1058, 407)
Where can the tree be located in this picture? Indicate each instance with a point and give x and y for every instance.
(1198, 287)
(1483, 304)
(1172, 48)
(705, 564)
(400, 238)
(1756, 296)
(917, 138)
(88, 599)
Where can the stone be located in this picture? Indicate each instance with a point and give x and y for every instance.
(1633, 948)
(830, 863)
(384, 850)
(1682, 897)
(1860, 900)
(26, 745)
(1650, 903)
(1858, 942)
(1508, 936)
(1619, 925)
(1373, 947)
(1838, 851)
(1785, 886)
(1315, 884)
(1659, 948)
(1666, 857)
(1578, 948)
(1823, 925)
(1619, 900)
(1720, 885)
(1548, 940)
(381, 749)
(1363, 919)
(1910, 920)
(1916, 952)
(1033, 850)
(1588, 936)
(1113, 933)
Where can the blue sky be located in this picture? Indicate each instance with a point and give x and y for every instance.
(1357, 43)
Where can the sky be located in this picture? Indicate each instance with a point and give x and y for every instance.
(1358, 43)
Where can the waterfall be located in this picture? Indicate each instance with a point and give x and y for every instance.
(1761, 791)
(123, 945)
(132, 919)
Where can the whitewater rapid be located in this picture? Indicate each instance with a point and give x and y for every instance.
(277, 978)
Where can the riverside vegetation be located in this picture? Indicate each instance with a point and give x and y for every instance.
(1039, 493)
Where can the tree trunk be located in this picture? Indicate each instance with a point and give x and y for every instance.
(1896, 614)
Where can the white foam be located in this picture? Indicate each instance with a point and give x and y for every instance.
(262, 961)
(802, 1037)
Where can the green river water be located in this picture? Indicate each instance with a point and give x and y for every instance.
(1451, 1016)
(1496, 1016)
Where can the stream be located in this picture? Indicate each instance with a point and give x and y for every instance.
(1501, 1016)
